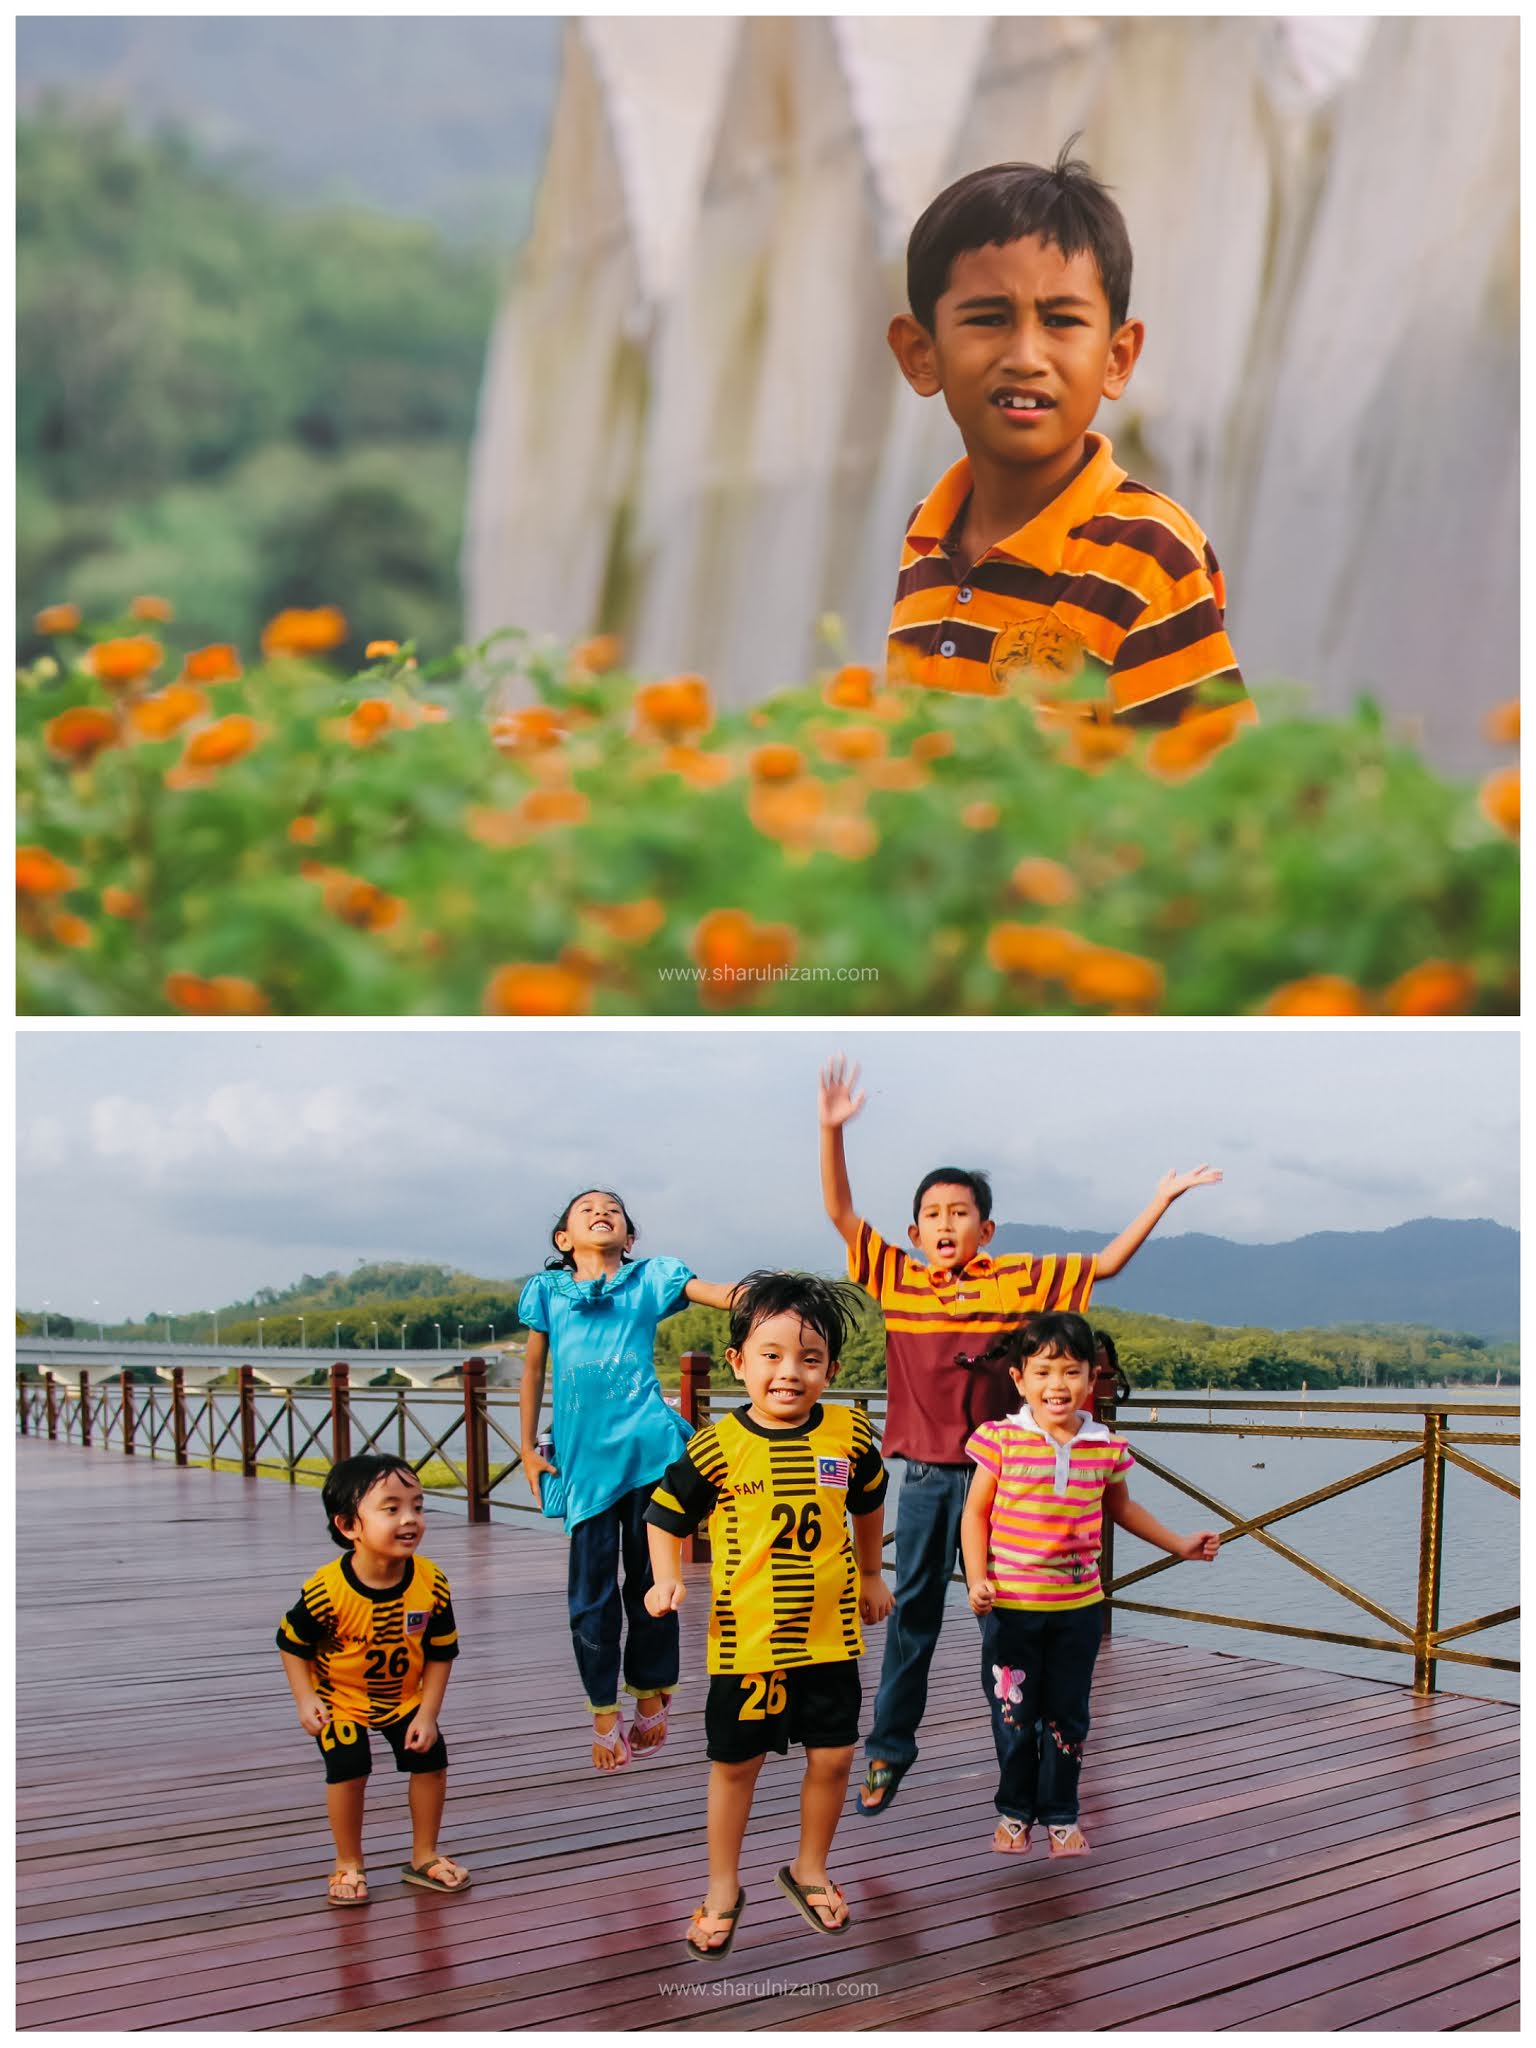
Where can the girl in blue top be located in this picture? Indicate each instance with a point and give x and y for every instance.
(592, 1315)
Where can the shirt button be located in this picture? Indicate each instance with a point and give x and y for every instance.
(963, 596)
(946, 647)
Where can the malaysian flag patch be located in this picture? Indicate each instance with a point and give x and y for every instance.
(415, 1624)
(832, 1472)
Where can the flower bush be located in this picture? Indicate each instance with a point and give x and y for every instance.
(522, 831)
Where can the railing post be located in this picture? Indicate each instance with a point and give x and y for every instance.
(693, 1406)
(179, 1413)
(400, 1422)
(1431, 1532)
(85, 1409)
(341, 1412)
(51, 1396)
(292, 1462)
(248, 1420)
(127, 1407)
(476, 1443)
(22, 1400)
(1105, 1389)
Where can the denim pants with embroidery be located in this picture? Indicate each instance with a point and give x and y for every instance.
(1037, 1668)
(600, 1609)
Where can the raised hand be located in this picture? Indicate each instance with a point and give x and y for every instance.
(665, 1597)
(837, 1100)
(1172, 1185)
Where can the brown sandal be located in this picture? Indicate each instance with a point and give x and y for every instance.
(425, 1874)
(706, 1923)
(353, 1876)
(806, 1902)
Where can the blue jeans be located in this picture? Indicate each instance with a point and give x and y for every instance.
(599, 1609)
(928, 1513)
(1037, 1669)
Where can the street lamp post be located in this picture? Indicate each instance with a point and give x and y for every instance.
(375, 1336)
(100, 1332)
(402, 1336)
(46, 1306)
(302, 1344)
(439, 1329)
(338, 1336)
(261, 1335)
(458, 1338)
(215, 1329)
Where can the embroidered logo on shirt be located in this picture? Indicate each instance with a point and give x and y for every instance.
(415, 1624)
(832, 1472)
(1045, 647)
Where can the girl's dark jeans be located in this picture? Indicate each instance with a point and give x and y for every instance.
(599, 1546)
(1037, 1668)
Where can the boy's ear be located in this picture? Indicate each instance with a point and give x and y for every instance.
(733, 1360)
(915, 1237)
(832, 1369)
(912, 346)
(1124, 348)
(987, 1232)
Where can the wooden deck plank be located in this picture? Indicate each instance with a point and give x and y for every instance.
(1272, 1835)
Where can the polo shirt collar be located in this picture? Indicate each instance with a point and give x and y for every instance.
(978, 1268)
(1041, 541)
(1088, 1430)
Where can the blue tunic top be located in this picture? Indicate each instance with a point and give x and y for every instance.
(613, 1429)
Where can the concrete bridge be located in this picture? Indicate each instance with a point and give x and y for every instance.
(64, 1358)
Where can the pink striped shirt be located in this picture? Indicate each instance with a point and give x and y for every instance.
(1047, 1513)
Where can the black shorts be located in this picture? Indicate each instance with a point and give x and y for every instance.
(345, 1747)
(816, 1706)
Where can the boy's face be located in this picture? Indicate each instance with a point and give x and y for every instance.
(949, 1231)
(1022, 350)
(595, 1224)
(784, 1366)
(1055, 1388)
(390, 1517)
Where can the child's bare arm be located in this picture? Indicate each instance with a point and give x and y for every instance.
(668, 1592)
(875, 1597)
(422, 1732)
(975, 1530)
(300, 1674)
(530, 1399)
(711, 1293)
(837, 1103)
(1119, 1254)
(1127, 1514)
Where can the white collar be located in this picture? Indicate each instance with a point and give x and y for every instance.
(1088, 1430)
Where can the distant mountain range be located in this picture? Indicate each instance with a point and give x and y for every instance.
(1458, 1276)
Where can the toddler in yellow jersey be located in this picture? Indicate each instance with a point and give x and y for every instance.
(368, 1645)
(791, 1488)
(1030, 1536)
(1035, 562)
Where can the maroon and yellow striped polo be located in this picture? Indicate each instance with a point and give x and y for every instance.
(1109, 573)
(930, 1317)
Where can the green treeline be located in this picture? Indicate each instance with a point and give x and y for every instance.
(232, 405)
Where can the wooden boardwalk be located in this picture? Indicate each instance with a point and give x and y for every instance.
(1275, 1848)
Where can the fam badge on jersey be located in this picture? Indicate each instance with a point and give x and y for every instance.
(832, 1472)
(415, 1624)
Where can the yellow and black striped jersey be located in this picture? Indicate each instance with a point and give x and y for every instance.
(784, 1581)
(369, 1647)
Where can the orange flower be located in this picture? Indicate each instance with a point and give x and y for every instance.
(225, 995)
(595, 657)
(1087, 743)
(533, 990)
(369, 721)
(852, 743)
(1184, 748)
(981, 816)
(1502, 725)
(433, 714)
(739, 956)
(361, 904)
(121, 903)
(679, 709)
(496, 828)
(57, 618)
(777, 763)
(158, 609)
(902, 773)
(216, 664)
(1435, 988)
(890, 704)
(1043, 951)
(81, 734)
(40, 873)
(544, 807)
(70, 930)
(298, 631)
(304, 831)
(788, 811)
(1044, 881)
(220, 743)
(696, 765)
(1318, 995)
(851, 689)
(166, 711)
(380, 650)
(1116, 981)
(932, 746)
(850, 838)
(1500, 800)
(119, 664)
(529, 731)
(631, 923)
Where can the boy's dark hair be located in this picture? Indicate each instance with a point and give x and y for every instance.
(567, 1260)
(1057, 1331)
(956, 1177)
(829, 1307)
(348, 1484)
(1065, 205)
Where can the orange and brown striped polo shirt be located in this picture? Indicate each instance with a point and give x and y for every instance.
(1109, 573)
(934, 1404)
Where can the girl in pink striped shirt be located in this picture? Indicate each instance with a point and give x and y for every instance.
(1044, 1479)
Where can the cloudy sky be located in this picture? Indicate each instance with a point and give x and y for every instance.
(179, 1170)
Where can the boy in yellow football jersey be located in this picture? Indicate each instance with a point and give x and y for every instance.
(777, 1481)
(368, 1644)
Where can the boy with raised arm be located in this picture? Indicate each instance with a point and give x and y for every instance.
(942, 1310)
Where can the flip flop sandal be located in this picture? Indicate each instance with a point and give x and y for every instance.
(1060, 1836)
(644, 1723)
(883, 1778)
(706, 1923)
(615, 1742)
(421, 1873)
(1017, 1833)
(805, 1903)
(352, 1877)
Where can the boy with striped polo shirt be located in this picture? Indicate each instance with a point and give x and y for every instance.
(1035, 562)
(1045, 1478)
(940, 1312)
